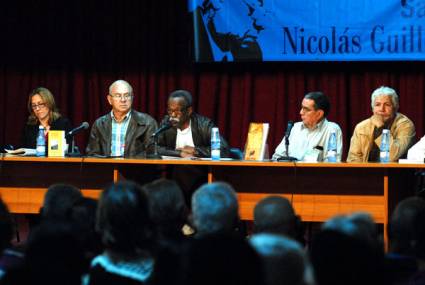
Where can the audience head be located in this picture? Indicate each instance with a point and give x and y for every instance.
(179, 108)
(314, 107)
(53, 256)
(215, 209)
(406, 229)
(120, 96)
(83, 217)
(347, 251)
(274, 214)
(41, 106)
(284, 260)
(58, 201)
(167, 207)
(123, 219)
(339, 258)
(360, 225)
(221, 260)
(385, 103)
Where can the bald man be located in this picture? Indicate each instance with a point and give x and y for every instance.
(123, 132)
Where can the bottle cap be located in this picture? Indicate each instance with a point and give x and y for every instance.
(384, 131)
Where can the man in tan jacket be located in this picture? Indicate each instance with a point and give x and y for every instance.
(366, 138)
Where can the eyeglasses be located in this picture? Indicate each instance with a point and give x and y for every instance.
(177, 112)
(38, 106)
(118, 96)
(306, 109)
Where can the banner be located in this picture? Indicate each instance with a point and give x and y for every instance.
(308, 30)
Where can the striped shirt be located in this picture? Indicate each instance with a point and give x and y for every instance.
(119, 129)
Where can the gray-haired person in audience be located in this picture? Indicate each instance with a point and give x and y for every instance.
(358, 224)
(284, 260)
(215, 209)
(346, 251)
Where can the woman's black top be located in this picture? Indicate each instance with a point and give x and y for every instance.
(30, 132)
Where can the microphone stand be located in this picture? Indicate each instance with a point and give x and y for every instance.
(155, 154)
(73, 152)
(287, 158)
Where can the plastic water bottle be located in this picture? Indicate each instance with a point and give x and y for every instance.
(41, 142)
(215, 144)
(331, 155)
(384, 155)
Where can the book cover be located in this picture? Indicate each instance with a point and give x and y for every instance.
(56, 143)
(256, 141)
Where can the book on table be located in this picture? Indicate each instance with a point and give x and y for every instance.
(256, 143)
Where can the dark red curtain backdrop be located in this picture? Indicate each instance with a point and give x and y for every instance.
(77, 48)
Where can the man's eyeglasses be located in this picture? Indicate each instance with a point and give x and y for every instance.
(38, 106)
(121, 96)
(177, 112)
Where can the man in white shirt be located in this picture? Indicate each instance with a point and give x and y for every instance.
(309, 138)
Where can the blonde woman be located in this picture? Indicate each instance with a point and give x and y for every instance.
(43, 111)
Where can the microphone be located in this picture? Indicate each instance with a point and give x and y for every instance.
(289, 128)
(162, 128)
(287, 133)
(73, 132)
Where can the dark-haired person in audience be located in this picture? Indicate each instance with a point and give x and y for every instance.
(274, 214)
(10, 257)
(189, 136)
(221, 259)
(127, 234)
(215, 210)
(406, 232)
(82, 216)
(43, 112)
(53, 255)
(123, 131)
(284, 260)
(168, 212)
(167, 208)
(309, 138)
(366, 138)
(58, 201)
